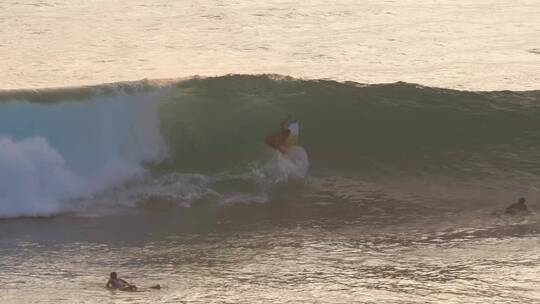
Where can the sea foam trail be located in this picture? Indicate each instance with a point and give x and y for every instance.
(291, 166)
(50, 154)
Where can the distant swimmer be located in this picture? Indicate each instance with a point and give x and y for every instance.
(116, 283)
(286, 137)
(517, 208)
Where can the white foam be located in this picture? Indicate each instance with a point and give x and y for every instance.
(51, 154)
(282, 168)
(33, 178)
(294, 164)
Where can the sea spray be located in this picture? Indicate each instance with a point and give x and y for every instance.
(34, 178)
(53, 153)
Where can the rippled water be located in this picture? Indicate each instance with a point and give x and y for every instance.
(484, 44)
(278, 256)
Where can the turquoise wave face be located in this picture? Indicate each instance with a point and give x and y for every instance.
(53, 152)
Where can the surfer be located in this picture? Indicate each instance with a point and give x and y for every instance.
(284, 139)
(115, 282)
(517, 208)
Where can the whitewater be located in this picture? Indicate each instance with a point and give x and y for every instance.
(132, 140)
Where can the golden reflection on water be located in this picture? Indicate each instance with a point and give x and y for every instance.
(303, 265)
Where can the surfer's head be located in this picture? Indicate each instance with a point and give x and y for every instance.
(113, 275)
(521, 200)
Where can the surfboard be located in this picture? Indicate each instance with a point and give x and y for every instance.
(294, 127)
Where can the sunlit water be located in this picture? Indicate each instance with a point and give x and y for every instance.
(484, 44)
(362, 250)
(304, 263)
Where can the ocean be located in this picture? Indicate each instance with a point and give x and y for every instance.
(132, 140)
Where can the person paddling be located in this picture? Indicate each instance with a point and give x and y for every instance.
(517, 208)
(116, 283)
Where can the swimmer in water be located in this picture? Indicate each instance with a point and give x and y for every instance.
(518, 208)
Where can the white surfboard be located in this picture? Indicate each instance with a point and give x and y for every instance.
(294, 127)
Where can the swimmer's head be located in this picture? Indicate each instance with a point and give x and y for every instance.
(113, 275)
(521, 200)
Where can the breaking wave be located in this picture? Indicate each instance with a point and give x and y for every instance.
(203, 137)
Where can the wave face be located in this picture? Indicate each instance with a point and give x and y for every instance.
(60, 146)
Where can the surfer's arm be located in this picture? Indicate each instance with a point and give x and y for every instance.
(271, 141)
(109, 284)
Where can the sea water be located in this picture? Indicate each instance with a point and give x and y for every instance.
(394, 194)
